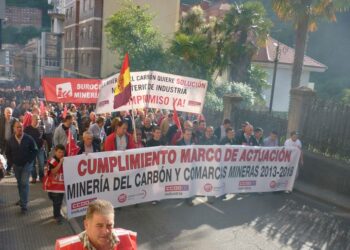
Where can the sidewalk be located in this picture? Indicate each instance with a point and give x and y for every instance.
(36, 230)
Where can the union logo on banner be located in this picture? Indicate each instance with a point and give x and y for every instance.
(64, 90)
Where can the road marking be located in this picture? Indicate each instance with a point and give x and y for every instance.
(210, 206)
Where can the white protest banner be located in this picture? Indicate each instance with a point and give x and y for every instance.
(156, 173)
(153, 89)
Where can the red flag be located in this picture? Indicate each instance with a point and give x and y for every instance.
(27, 119)
(176, 119)
(71, 147)
(122, 91)
(64, 114)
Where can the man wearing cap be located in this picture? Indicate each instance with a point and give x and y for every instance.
(99, 233)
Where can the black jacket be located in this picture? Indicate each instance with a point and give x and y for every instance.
(208, 141)
(227, 141)
(154, 143)
(2, 131)
(95, 147)
(21, 154)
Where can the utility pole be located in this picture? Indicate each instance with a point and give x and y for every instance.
(274, 76)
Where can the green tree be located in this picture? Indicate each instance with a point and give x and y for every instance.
(346, 96)
(192, 46)
(131, 30)
(244, 28)
(10, 34)
(305, 14)
(214, 98)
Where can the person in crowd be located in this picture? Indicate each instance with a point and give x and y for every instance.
(36, 131)
(246, 138)
(240, 132)
(49, 128)
(92, 117)
(88, 145)
(187, 138)
(156, 139)
(271, 140)
(55, 177)
(229, 139)
(146, 129)
(258, 137)
(120, 139)
(98, 131)
(61, 132)
(108, 123)
(3, 166)
(6, 130)
(209, 138)
(140, 142)
(200, 131)
(166, 124)
(139, 120)
(294, 141)
(16, 112)
(99, 231)
(220, 131)
(21, 151)
(126, 117)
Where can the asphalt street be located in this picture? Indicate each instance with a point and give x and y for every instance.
(247, 221)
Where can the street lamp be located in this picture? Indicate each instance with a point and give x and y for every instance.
(277, 45)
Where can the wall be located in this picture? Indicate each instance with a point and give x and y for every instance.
(282, 87)
(325, 173)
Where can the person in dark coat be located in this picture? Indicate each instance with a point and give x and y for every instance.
(21, 151)
(229, 139)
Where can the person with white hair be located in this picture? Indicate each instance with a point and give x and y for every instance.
(6, 130)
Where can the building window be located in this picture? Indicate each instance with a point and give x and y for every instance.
(84, 5)
(67, 13)
(71, 55)
(67, 35)
(91, 4)
(82, 58)
(71, 12)
(84, 32)
(90, 32)
(88, 59)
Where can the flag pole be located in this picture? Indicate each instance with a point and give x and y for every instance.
(133, 120)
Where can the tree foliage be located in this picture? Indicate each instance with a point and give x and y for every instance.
(214, 98)
(131, 30)
(305, 14)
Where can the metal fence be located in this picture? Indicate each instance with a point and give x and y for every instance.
(268, 122)
(327, 129)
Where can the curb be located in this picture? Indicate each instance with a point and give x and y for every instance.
(323, 195)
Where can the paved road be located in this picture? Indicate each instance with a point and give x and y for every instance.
(250, 221)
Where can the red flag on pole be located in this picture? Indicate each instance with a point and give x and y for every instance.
(71, 147)
(176, 119)
(64, 114)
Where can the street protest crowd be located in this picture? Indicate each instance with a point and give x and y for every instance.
(36, 135)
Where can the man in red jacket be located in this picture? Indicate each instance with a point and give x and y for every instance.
(99, 233)
(120, 139)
